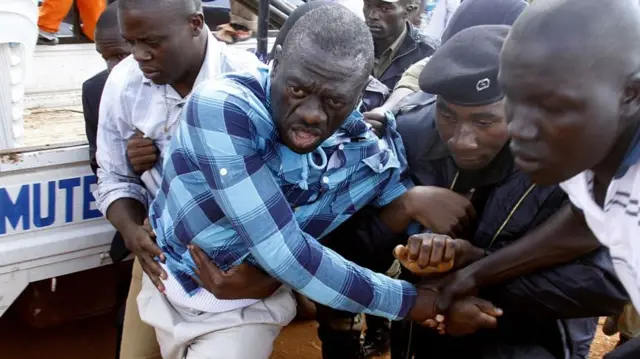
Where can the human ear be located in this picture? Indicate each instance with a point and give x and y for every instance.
(630, 102)
(197, 24)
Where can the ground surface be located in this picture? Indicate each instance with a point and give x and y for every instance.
(95, 338)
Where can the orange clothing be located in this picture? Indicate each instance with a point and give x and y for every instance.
(52, 12)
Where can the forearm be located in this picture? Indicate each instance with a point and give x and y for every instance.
(125, 214)
(394, 99)
(325, 277)
(396, 215)
(562, 238)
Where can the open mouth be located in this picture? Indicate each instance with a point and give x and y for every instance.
(302, 138)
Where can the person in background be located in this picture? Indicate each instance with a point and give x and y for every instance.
(556, 105)
(434, 22)
(112, 47)
(398, 44)
(241, 27)
(458, 143)
(172, 51)
(52, 12)
(470, 13)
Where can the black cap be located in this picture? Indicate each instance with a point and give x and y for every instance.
(464, 71)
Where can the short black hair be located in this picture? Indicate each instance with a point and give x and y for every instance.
(335, 30)
(108, 20)
(188, 7)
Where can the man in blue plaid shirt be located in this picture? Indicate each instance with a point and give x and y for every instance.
(263, 165)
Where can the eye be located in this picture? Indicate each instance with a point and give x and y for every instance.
(483, 123)
(445, 116)
(335, 103)
(297, 91)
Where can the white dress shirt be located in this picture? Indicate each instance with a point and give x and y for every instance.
(129, 102)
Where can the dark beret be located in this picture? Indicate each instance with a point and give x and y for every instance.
(464, 71)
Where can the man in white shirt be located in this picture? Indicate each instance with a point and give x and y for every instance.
(172, 52)
(570, 70)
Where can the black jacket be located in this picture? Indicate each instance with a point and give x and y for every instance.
(91, 94)
(534, 305)
(414, 48)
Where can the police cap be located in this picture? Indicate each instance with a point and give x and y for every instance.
(464, 71)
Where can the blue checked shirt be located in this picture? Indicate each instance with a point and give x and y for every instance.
(230, 187)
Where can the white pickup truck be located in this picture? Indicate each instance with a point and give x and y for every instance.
(49, 224)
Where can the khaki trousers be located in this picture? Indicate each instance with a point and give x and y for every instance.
(138, 338)
(244, 333)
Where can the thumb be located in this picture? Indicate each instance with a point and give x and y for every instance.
(486, 321)
(488, 308)
(401, 252)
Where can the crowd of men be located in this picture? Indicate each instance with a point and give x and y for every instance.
(471, 197)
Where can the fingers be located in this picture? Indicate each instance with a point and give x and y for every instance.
(419, 245)
(204, 262)
(450, 248)
(488, 307)
(153, 270)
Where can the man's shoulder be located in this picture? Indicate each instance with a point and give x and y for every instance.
(96, 81)
(426, 45)
(126, 73)
(245, 86)
(236, 60)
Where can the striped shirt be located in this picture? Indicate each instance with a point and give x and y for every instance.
(617, 225)
(233, 189)
(129, 102)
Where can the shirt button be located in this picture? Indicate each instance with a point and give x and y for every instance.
(223, 172)
(325, 179)
(341, 147)
(169, 138)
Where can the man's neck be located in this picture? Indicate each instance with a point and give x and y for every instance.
(184, 86)
(606, 169)
(381, 45)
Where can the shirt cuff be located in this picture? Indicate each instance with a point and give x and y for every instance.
(409, 294)
(104, 198)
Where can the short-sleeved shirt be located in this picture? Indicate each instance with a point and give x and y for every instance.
(617, 225)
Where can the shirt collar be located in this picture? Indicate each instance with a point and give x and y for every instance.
(211, 64)
(631, 157)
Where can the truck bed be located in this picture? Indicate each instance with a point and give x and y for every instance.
(50, 126)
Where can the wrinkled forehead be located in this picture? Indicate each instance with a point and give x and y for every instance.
(314, 66)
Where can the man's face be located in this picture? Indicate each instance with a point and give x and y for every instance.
(473, 134)
(385, 19)
(111, 46)
(312, 93)
(162, 44)
(563, 118)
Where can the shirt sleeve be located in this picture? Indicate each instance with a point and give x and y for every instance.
(411, 78)
(116, 178)
(219, 133)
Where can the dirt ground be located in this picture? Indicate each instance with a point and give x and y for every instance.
(95, 338)
(299, 340)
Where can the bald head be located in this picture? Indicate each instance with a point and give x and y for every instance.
(570, 70)
(583, 33)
